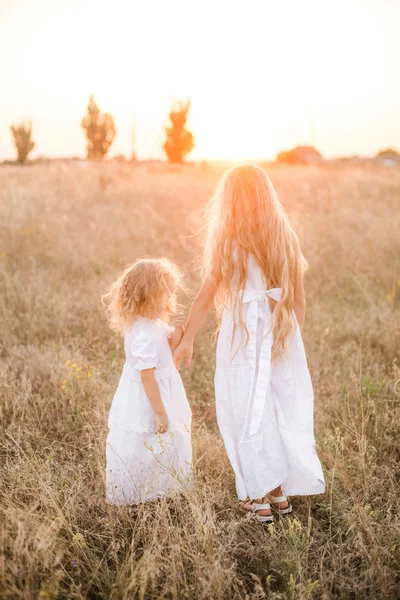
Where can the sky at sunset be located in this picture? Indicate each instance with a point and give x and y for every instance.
(262, 75)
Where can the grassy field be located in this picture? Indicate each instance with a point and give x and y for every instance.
(65, 232)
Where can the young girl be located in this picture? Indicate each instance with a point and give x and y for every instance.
(148, 450)
(254, 272)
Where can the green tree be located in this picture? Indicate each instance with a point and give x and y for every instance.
(179, 140)
(99, 130)
(22, 140)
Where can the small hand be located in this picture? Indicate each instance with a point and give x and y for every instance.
(183, 352)
(161, 423)
(179, 321)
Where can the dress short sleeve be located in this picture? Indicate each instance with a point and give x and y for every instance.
(144, 351)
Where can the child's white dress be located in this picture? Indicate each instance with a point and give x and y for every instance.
(265, 410)
(142, 465)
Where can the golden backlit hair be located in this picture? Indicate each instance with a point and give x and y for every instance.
(146, 288)
(245, 217)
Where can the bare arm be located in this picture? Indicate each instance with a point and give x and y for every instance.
(177, 334)
(153, 394)
(300, 300)
(200, 308)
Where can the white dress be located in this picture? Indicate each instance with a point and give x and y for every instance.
(142, 465)
(265, 409)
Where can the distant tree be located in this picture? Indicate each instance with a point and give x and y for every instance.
(179, 140)
(99, 130)
(120, 158)
(389, 153)
(22, 139)
(300, 155)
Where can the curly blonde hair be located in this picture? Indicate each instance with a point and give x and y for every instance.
(245, 217)
(146, 288)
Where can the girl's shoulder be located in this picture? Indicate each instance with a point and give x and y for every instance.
(145, 343)
(148, 328)
(141, 326)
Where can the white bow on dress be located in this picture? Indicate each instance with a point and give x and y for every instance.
(260, 379)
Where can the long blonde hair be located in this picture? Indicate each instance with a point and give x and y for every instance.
(245, 217)
(142, 289)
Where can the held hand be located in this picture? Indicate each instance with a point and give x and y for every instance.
(161, 423)
(183, 352)
(179, 321)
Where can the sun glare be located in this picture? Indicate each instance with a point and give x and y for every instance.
(261, 75)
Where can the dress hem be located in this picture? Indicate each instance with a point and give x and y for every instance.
(188, 486)
(287, 492)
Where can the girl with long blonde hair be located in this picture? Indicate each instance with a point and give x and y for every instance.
(253, 272)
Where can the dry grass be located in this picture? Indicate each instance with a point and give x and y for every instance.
(65, 232)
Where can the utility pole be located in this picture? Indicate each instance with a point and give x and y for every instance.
(134, 153)
(313, 129)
